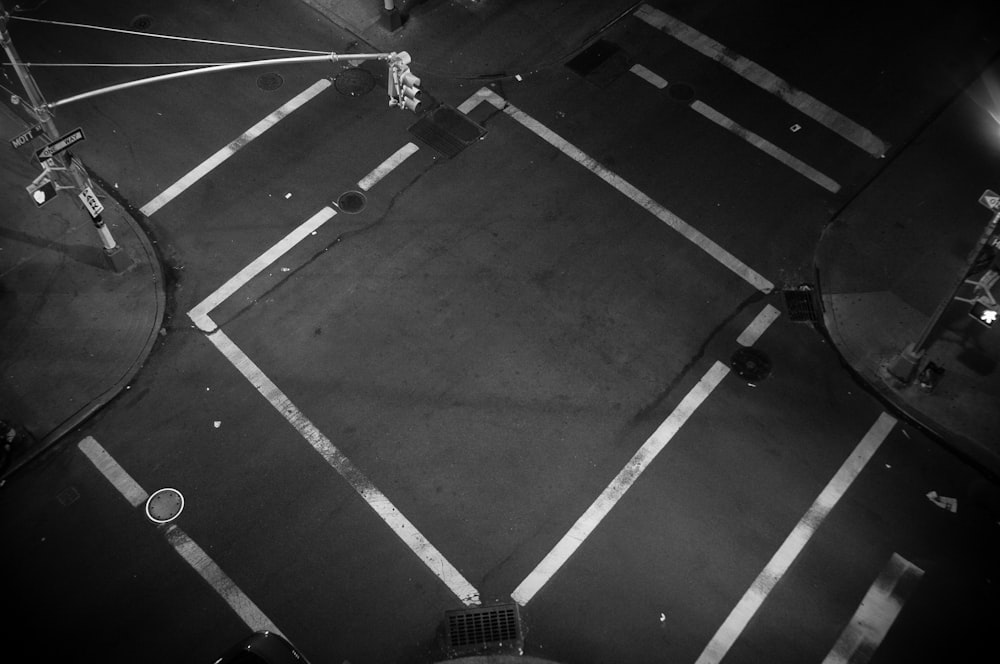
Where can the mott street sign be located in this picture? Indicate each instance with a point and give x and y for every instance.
(990, 199)
(60, 144)
(25, 138)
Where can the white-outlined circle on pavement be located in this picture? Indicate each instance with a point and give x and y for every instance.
(164, 505)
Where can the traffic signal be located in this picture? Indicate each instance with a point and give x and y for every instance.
(42, 190)
(984, 311)
(403, 84)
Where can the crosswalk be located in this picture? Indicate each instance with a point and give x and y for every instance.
(730, 630)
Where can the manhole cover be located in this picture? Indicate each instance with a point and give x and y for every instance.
(750, 364)
(141, 22)
(269, 81)
(164, 505)
(354, 82)
(680, 91)
(351, 201)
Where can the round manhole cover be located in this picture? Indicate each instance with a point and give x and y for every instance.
(164, 505)
(680, 91)
(354, 81)
(141, 22)
(750, 364)
(269, 81)
(351, 201)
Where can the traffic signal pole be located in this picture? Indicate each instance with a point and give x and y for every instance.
(402, 93)
(117, 259)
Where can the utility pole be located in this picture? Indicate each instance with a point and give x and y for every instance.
(391, 18)
(117, 259)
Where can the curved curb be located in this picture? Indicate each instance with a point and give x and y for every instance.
(148, 256)
(976, 455)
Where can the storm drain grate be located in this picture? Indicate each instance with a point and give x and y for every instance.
(483, 629)
(801, 304)
(447, 130)
(601, 63)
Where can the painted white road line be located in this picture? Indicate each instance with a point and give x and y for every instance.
(586, 524)
(225, 153)
(399, 524)
(624, 187)
(383, 169)
(237, 600)
(624, 480)
(753, 139)
(188, 550)
(754, 73)
(751, 601)
(199, 314)
(763, 320)
(649, 76)
(114, 473)
(876, 613)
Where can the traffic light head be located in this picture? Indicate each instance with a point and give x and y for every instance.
(984, 311)
(403, 84)
(42, 190)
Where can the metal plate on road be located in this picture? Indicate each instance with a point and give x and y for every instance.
(990, 199)
(25, 138)
(60, 144)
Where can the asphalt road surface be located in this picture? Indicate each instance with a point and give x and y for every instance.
(554, 369)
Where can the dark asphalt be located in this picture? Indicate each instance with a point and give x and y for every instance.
(883, 265)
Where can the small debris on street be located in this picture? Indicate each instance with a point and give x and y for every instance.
(943, 502)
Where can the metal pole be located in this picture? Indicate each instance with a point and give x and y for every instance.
(72, 166)
(331, 57)
(390, 15)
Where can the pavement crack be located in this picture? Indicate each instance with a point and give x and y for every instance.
(656, 403)
(341, 237)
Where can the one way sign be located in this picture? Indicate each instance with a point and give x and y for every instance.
(990, 199)
(60, 144)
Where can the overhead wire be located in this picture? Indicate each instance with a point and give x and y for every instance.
(139, 33)
(131, 64)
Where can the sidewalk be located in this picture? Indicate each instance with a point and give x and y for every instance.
(896, 253)
(73, 332)
(477, 40)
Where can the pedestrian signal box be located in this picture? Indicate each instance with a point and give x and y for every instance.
(42, 190)
(983, 312)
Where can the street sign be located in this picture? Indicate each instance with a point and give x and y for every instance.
(60, 144)
(90, 201)
(990, 199)
(25, 138)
